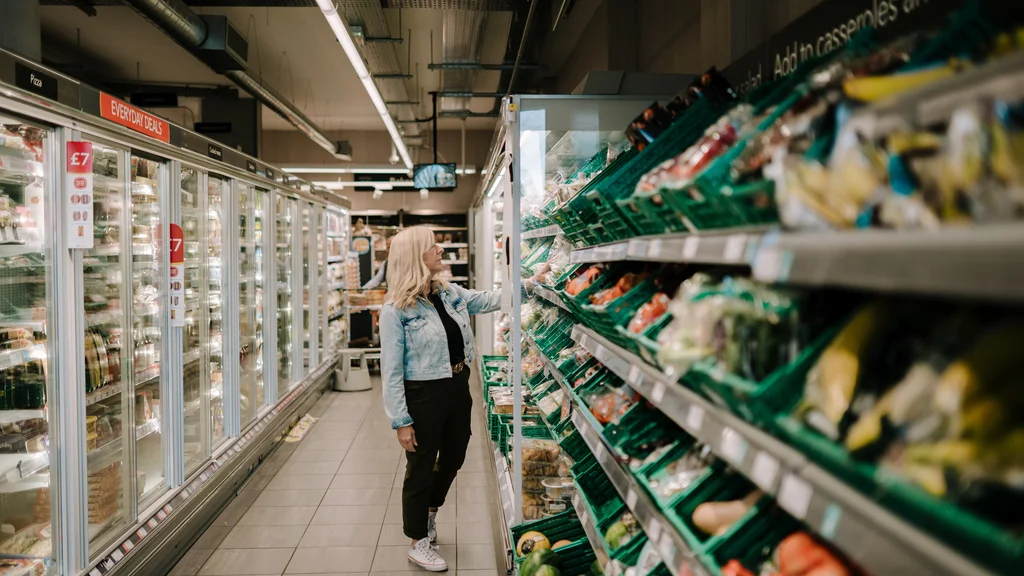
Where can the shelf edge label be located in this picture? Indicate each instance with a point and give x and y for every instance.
(79, 195)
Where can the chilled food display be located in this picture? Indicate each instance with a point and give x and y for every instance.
(286, 209)
(250, 294)
(194, 334)
(217, 192)
(25, 373)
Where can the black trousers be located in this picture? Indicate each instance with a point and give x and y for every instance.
(441, 411)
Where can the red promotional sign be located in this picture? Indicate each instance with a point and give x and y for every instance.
(131, 117)
(177, 245)
(78, 195)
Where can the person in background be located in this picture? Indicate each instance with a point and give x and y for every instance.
(378, 278)
(426, 350)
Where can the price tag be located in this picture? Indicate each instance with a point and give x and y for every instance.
(768, 266)
(666, 547)
(654, 248)
(599, 452)
(631, 499)
(766, 468)
(734, 246)
(634, 375)
(654, 531)
(795, 496)
(694, 419)
(690, 245)
(733, 446)
(637, 248)
(117, 555)
(830, 521)
(78, 197)
(658, 392)
(584, 518)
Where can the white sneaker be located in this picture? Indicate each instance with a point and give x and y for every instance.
(432, 527)
(427, 557)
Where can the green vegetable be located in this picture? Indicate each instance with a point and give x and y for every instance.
(547, 570)
(538, 558)
(617, 535)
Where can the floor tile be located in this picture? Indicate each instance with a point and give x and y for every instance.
(474, 533)
(357, 496)
(473, 478)
(363, 481)
(290, 498)
(256, 484)
(292, 468)
(318, 456)
(475, 495)
(337, 426)
(373, 444)
(374, 467)
(396, 559)
(340, 535)
(247, 562)
(324, 444)
(276, 536)
(329, 515)
(278, 516)
(331, 560)
(191, 562)
(232, 513)
(476, 557)
(212, 538)
(381, 455)
(301, 482)
(475, 513)
(477, 465)
(396, 494)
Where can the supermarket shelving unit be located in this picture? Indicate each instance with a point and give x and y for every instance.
(984, 263)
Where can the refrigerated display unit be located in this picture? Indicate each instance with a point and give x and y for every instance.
(139, 383)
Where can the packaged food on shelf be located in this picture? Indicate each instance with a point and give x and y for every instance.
(33, 541)
(716, 518)
(622, 531)
(677, 475)
(583, 281)
(649, 312)
(608, 403)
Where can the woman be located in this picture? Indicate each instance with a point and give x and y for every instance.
(379, 277)
(426, 349)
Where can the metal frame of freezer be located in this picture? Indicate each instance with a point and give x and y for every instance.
(146, 529)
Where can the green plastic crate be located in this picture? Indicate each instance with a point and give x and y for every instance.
(754, 544)
(646, 344)
(576, 558)
(594, 487)
(505, 437)
(619, 312)
(759, 402)
(720, 485)
(575, 447)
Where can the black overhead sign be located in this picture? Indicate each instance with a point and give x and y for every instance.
(381, 178)
(251, 166)
(34, 81)
(215, 152)
(829, 26)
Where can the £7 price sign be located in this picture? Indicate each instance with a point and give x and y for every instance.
(177, 288)
(79, 195)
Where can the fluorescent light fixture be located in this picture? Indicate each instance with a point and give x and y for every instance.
(424, 193)
(377, 194)
(497, 181)
(341, 32)
(346, 170)
(336, 185)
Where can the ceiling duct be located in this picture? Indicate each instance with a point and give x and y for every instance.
(217, 44)
(461, 40)
(483, 5)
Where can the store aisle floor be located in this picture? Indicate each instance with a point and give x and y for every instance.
(331, 504)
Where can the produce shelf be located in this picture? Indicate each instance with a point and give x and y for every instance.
(675, 553)
(551, 296)
(980, 262)
(860, 527)
(593, 536)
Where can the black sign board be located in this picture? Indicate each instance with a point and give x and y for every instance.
(213, 127)
(34, 81)
(271, 175)
(251, 167)
(830, 25)
(215, 152)
(381, 178)
(377, 220)
(443, 220)
(155, 99)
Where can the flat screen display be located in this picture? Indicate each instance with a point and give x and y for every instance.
(434, 176)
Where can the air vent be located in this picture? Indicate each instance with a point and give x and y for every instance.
(225, 49)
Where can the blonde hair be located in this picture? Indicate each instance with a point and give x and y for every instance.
(408, 277)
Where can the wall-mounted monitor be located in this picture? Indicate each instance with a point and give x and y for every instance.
(434, 176)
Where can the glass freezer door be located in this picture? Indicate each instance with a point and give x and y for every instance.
(217, 190)
(148, 186)
(109, 403)
(285, 208)
(195, 335)
(308, 270)
(26, 276)
(321, 284)
(250, 301)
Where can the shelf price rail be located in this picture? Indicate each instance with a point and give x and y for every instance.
(674, 551)
(865, 531)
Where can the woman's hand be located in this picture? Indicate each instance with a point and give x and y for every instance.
(407, 438)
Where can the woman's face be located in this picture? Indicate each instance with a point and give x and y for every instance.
(432, 258)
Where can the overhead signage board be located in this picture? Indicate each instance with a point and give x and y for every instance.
(120, 112)
(34, 81)
(831, 24)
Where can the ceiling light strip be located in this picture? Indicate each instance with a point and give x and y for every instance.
(348, 45)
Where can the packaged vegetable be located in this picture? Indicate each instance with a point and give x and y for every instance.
(649, 312)
(580, 283)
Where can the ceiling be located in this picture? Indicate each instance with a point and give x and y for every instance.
(292, 50)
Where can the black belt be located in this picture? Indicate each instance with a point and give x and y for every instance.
(458, 368)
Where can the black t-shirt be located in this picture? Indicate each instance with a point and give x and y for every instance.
(456, 349)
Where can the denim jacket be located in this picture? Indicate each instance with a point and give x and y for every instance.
(413, 344)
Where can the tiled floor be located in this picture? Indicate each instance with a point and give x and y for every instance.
(331, 504)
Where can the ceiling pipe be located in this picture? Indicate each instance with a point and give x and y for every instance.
(477, 66)
(188, 29)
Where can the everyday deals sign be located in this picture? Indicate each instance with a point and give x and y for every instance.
(78, 195)
(129, 116)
